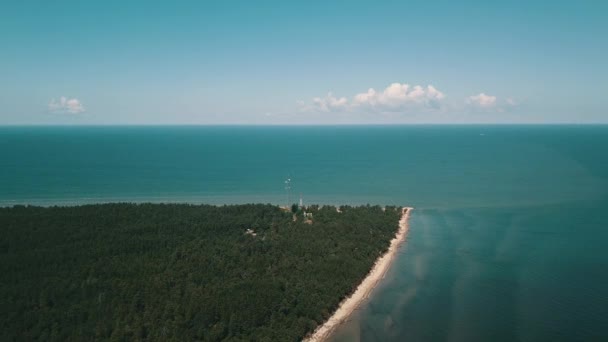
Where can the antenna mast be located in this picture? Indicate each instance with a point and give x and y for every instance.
(287, 189)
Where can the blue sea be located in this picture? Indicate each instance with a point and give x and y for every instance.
(508, 240)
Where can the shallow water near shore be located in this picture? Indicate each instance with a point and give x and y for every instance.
(501, 274)
(507, 242)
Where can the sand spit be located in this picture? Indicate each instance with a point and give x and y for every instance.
(350, 304)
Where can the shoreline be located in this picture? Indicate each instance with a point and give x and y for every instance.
(352, 302)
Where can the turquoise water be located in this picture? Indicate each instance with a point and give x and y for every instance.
(507, 242)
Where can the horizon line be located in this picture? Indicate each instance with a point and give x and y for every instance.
(312, 124)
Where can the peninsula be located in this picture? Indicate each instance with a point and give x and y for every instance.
(190, 272)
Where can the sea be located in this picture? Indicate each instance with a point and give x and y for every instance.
(508, 240)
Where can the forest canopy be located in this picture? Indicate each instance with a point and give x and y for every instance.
(179, 272)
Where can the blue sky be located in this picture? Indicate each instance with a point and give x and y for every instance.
(306, 62)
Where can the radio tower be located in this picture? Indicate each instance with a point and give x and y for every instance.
(287, 189)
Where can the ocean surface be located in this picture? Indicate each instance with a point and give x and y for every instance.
(508, 241)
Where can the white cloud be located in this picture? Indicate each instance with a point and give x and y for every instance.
(511, 102)
(396, 97)
(65, 105)
(481, 101)
(330, 103)
(489, 103)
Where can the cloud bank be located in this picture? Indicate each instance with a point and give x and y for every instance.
(66, 105)
(396, 97)
(402, 98)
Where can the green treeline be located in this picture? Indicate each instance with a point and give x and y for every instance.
(178, 272)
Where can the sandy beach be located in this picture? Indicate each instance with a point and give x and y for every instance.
(350, 304)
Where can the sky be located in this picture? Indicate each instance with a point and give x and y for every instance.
(302, 62)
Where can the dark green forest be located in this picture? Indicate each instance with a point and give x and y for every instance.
(179, 272)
